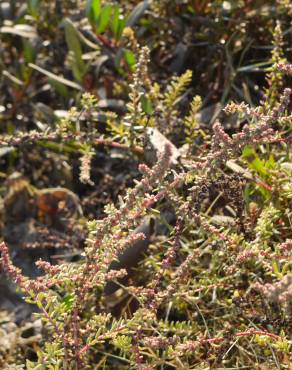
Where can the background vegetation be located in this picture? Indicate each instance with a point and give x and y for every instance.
(145, 158)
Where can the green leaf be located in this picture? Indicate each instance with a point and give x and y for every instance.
(259, 166)
(270, 163)
(28, 51)
(68, 301)
(33, 7)
(33, 366)
(130, 59)
(254, 162)
(118, 23)
(104, 18)
(93, 9)
(147, 105)
(73, 42)
(60, 88)
(276, 270)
